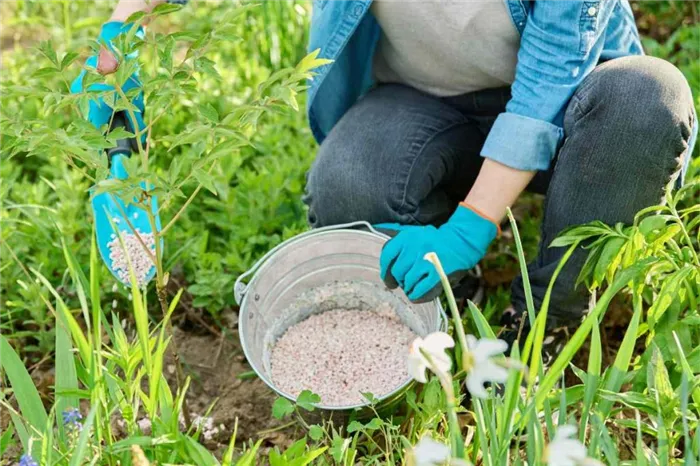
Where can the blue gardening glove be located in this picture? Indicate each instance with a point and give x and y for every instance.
(109, 211)
(460, 244)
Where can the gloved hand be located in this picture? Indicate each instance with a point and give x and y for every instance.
(99, 112)
(109, 211)
(459, 244)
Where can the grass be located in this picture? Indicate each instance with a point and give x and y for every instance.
(638, 406)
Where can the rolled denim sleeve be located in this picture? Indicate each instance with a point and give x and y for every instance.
(560, 45)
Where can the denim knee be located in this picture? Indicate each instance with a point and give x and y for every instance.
(647, 98)
(342, 187)
(384, 159)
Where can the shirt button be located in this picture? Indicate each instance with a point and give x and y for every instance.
(358, 10)
(592, 11)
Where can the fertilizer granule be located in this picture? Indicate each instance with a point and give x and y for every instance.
(140, 260)
(340, 354)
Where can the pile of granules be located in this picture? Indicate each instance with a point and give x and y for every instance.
(140, 260)
(339, 354)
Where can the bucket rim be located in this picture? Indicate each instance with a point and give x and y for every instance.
(436, 304)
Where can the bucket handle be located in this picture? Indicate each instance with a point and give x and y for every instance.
(444, 324)
(240, 288)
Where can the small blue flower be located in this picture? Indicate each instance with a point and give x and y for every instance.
(72, 418)
(27, 460)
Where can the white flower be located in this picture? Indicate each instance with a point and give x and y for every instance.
(428, 452)
(434, 345)
(567, 451)
(481, 368)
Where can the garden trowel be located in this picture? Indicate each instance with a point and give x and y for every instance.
(112, 215)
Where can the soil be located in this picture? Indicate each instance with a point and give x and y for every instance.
(215, 365)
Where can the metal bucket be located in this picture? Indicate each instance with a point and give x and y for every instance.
(282, 281)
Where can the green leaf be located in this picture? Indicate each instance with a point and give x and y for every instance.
(311, 61)
(81, 449)
(135, 17)
(609, 253)
(578, 338)
(591, 379)
(208, 111)
(641, 456)
(76, 331)
(581, 233)
(119, 133)
(687, 369)
(296, 449)
(200, 455)
(194, 133)
(6, 439)
(308, 400)
(205, 179)
(371, 399)
(165, 8)
(666, 235)
(47, 50)
(66, 375)
(44, 72)
(228, 34)
(26, 394)
(200, 43)
(669, 292)
(652, 223)
(615, 376)
(289, 97)
(307, 458)
(68, 58)
(248, 459)
(282, 407)
(354, 426)
(339, 446)
(657, 376)
(276, 458)
(482, 325)
(316, 432)
(632, 400)
(206, 66)
(609, 447)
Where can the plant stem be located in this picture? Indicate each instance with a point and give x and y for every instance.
(445, 379)
(187, 203)
(687, 237)
(182, 209)
(131, 226)
(456, 317)
(162, 294)
(137, 132)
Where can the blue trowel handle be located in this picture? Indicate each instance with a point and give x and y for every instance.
(124, 146)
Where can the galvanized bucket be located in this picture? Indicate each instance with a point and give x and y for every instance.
(316, 260)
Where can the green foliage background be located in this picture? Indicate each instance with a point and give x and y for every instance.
(45, 220)
(259, 188)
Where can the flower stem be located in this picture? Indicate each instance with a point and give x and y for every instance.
(456, 317)
(456, 441)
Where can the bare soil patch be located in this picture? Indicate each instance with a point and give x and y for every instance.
(215, 365)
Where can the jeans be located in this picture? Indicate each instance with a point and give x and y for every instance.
(400, 155)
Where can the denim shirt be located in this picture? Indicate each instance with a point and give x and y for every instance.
(561, 43)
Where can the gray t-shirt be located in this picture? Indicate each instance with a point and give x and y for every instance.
(445, 47)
